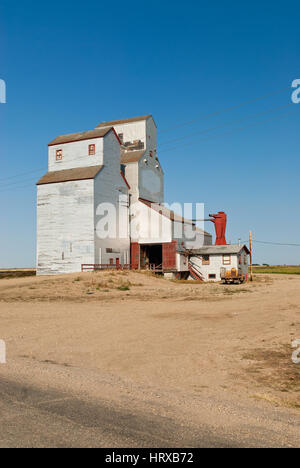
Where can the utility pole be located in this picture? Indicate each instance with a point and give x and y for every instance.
(251, 260)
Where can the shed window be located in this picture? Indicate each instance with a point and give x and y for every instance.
(205, 260)
(212, 276)
(92, 150)
(59, 155)
(245, 259)
(226, 260)
(111, 261)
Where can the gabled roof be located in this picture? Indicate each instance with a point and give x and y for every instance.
(168, 213)
(68, 175)
(124, 121)
(89, 135)
(220, 249)
(131, 156)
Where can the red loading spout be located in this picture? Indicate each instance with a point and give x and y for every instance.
(220, 222)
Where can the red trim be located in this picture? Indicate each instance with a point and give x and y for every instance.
(74, 141)
(117, 136)
(125, 180)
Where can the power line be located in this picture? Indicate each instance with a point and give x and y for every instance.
(11, 184)
(274, 109)
(224, 133)
(168, 149)
(21, 174)
(189, 144)
(275, 243)
(43, 169)
(259, 98)
(226, 109)
(17, 188)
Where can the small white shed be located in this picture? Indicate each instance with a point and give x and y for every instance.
(208, 261)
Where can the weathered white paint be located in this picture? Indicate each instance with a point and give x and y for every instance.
(109, 187)
(67, 212)
(150, 179)
(132, 131)
(65, 227)
(145, 177)
(70, 213)
(76, 154)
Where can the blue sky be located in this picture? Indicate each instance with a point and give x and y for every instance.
(70, 65)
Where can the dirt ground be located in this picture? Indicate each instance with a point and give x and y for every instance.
(190, 336)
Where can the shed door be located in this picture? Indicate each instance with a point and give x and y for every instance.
(169, 255)
(135, 255)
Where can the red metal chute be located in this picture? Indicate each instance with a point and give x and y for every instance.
(220, 222)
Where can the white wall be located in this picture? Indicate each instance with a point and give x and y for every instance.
(132, 177)
(151, 179)
(244, 267)
(109, 186)
(65, 227)
(148, 226)
(132, 131)
(151, 133)
(146, 179)
(182, 262)
(216, 263)
(76, 154)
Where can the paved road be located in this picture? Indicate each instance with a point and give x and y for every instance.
(33, 418)
(94, 410)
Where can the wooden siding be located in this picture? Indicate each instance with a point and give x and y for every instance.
(216, 263)
(169, 255)
(135, 255)
(109, 186)
(65, 227)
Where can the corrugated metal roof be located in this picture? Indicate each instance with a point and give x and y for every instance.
(220, 249)
(131, 156)
(124, 121)
(89, 135)
(68, 175)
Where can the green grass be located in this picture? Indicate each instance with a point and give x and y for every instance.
(124, 288)
(278, 269)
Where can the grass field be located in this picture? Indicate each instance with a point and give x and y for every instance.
(278, 269)
(17, 273)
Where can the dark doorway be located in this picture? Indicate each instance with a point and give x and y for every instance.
(151, 255)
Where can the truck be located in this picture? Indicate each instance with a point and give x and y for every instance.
(232, 276)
